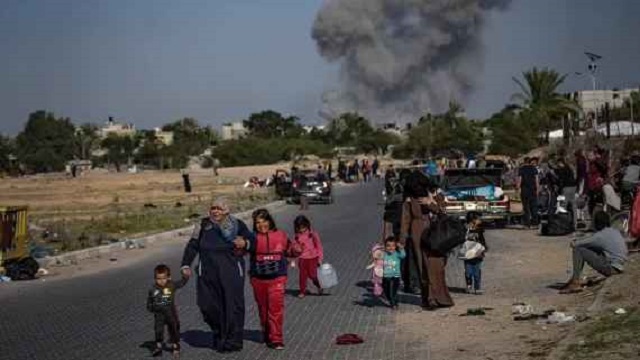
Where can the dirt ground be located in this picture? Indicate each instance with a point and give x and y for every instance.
(98, 191)
(520, 267)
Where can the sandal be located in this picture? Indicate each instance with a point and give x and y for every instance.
(157, 352)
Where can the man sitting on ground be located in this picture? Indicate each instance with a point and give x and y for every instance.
(605, 251)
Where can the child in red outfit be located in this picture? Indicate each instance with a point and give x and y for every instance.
(311, 256)
(268, 271)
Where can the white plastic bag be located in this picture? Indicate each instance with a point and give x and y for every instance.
(327, 276)
(470, 250)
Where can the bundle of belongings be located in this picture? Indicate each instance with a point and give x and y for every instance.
(21, 269)
(487, 192)
(558, 221)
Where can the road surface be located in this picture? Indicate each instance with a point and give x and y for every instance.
(103, 316)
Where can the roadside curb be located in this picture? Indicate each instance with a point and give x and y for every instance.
(72, 258)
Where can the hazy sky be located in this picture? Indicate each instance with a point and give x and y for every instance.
(153, 61)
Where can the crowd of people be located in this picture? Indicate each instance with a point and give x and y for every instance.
(405, 258)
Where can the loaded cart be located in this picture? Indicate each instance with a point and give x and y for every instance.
(14, 237)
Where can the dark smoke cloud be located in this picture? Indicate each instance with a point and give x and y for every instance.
(401, 58)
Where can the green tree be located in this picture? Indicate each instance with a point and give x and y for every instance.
(46, 143)
(346, 129)
(511, 133)
(377, 141)
(7, 149)
(86, 140)
(151, 150)
(271, 124)
(539, 95)
(444, 132)
(189, 139)
(119, 149)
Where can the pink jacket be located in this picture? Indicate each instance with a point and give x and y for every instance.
(311, 245)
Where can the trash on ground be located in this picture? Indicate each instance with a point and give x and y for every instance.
(5, 279)
(43, 272)
(476, 311)
(521, 309)
(620, 311)
(134, 244)
(560, 318)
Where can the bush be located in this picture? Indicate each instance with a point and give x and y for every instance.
(257, 151)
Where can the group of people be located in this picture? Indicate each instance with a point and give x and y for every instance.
(412, 209)
(221, 242)
(590, 178)
(358, 170)
(594, 184)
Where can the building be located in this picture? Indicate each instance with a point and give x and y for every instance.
(163, 137)
(310, 128)
(233, 131)
(592, 101)
(113, 127)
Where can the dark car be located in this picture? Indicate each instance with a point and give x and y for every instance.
(315, 186)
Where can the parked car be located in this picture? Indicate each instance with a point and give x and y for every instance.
(314, 186)
(476, 190)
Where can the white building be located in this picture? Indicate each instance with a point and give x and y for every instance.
(164, 137)
(592, 101)
(233, 131)
(113, 127)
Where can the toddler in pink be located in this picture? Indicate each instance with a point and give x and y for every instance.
(311, 256)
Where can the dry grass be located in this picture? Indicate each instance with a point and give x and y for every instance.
(102, 206)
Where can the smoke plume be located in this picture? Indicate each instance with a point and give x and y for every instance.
(401, 58)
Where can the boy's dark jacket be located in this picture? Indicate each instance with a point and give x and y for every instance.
(161, 299)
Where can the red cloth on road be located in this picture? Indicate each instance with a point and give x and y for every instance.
(269, 295)
(308, 270)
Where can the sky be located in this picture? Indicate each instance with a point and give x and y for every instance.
(151, 62)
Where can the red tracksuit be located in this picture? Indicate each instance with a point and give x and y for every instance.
(268, 270)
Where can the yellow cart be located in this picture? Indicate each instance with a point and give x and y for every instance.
(14, 237)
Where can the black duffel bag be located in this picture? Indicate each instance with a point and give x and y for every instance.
(559, 224)
(444, 234)
(22, 269)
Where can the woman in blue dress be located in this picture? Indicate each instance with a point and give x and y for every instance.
(220, 274)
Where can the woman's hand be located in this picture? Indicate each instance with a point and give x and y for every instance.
(186, 273)
(240, 242)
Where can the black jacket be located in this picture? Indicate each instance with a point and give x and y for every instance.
(161, 299)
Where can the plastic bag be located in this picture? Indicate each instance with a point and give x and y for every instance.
(327, 276)
(470, 250)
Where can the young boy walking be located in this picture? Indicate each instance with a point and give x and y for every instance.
(473, 264)
(393, 255)
(161, 302)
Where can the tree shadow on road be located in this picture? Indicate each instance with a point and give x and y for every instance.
(204, 339)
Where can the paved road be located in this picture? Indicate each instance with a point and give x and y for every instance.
(104, 317)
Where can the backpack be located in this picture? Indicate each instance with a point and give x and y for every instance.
(634, 220)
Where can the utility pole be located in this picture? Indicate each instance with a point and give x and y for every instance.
(593, 68)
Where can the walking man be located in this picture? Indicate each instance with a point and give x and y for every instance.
(529, 185)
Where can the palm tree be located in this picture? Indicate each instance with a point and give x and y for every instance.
(539, 95)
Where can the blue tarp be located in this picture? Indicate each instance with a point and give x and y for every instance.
(488, 192)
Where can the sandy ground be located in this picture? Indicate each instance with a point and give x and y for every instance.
(99, 191)
(520, 268)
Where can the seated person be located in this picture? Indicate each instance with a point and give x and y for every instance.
(605, 251)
